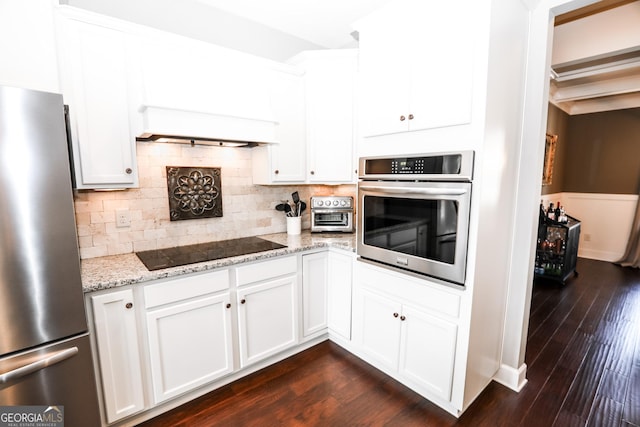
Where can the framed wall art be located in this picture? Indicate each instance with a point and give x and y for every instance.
(549, 155)
(194, 192)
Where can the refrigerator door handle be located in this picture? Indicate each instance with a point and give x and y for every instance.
(30, 368)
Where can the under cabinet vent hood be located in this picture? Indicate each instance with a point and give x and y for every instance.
(163, 124)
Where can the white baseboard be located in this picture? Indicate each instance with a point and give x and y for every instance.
(510, 377)
(599, 255)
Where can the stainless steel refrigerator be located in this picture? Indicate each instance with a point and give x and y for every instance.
(45, 357)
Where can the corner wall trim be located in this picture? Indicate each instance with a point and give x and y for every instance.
(510, 377)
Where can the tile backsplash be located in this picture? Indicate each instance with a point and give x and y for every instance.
(249, 210)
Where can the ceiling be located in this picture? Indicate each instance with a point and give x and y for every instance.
(585, 87)
(326, 23)
(604, 82)
(280, 29)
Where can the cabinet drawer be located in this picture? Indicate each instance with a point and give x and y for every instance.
(266, 270)
(184, 288)
(411, 290)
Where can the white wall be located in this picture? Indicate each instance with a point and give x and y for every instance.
(527, 199)
(27, 45)
(606, 221)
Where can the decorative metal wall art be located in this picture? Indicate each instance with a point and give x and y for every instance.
(194, 192)
(549, 156)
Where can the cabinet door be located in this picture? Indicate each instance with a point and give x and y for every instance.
(339, 294)
(190, 344)
(440, 66)
(95, 85)
(314, 293)
(284, 162)
(119, 357)
(379, 327)
(329, 89)
(267, 318)
(384, 76)
(416, 67)
(427, 351)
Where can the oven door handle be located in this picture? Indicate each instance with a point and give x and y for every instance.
(412, 190)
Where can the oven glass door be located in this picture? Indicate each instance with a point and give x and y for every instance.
(419, 226)
(331, 218)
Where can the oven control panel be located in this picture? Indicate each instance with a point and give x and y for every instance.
(413, 166)
(332, 202)
(453, 166)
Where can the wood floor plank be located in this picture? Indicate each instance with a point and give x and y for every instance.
(631, 412)
(583, 337)
(613, 386)
(565, 419)
(605, 412)
(583, 389)
(556, 322)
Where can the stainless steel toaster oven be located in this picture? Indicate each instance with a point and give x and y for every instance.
(332, 213)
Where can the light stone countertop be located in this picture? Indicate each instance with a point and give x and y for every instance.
(121, 270)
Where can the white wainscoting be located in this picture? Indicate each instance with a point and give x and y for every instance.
(606, 221)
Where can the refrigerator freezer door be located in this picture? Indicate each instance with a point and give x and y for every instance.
(49, 376)
(40, 286)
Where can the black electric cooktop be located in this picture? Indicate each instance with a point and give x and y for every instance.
(190, 254)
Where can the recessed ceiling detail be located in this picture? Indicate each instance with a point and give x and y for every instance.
(601, 67)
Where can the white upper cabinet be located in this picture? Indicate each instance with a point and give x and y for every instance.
(415, 67)
(283, 162)
(95, 65)
(329, 94)
(315, 116)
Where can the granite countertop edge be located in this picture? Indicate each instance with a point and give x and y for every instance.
(127, 269)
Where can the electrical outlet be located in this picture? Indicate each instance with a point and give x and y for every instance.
(587, 237)
(123, 218)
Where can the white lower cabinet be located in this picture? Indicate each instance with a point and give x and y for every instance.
(326, 293)
(315, 271)
(396, 335)
(379, 327)
(267, 318)
(189, 332)
(339, 284)
(427, 351)
(405, 326)
(190, 344)
(116, 335)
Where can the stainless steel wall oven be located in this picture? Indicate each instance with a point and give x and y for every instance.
(414, 212)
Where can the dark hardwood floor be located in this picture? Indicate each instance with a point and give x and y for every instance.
(583, 358)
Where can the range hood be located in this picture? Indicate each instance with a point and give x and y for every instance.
(174, 125)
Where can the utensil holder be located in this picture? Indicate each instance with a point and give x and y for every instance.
(294, 225)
